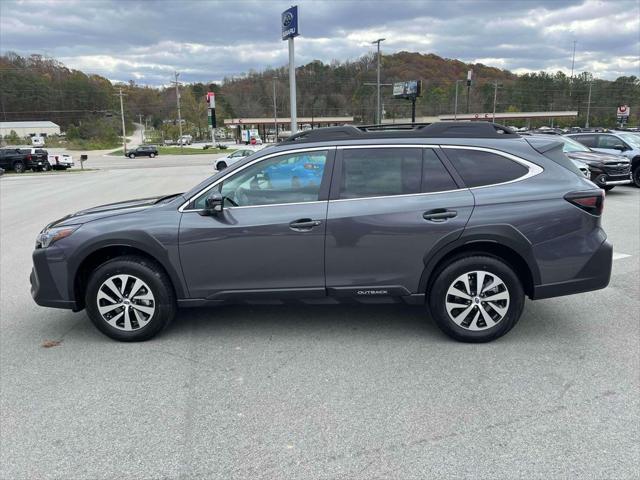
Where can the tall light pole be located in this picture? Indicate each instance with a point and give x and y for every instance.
(124, 133)
(495, 98)
(586, 124)
(275, 113)
(378, 112)
(573, 62)
(455, 105)
(178, 103)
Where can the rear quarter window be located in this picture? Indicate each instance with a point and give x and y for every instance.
(478, 168)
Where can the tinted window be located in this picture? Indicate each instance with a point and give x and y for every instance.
(283, 179)
(373, 172)
(435, 178)
(483, 168)
(609, 141)
(588, 140)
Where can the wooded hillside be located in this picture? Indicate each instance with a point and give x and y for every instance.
(38, 88)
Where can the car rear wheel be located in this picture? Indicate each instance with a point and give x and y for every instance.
(476, 299)
(19, 167)
(221, 165)
(130, 299)
(152, 155)
(132, 155)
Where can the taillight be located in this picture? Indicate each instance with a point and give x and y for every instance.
(28, 156)
(591, 201)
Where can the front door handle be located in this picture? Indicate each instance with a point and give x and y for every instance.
(304, 224)
(439, 215)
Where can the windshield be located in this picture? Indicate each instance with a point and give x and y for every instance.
(631, 138)
(571, 145)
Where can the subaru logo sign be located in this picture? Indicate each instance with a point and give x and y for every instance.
(290, 23)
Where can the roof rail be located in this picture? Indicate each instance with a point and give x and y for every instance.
(480, 129)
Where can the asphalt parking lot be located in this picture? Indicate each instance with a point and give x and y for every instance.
(319, 392)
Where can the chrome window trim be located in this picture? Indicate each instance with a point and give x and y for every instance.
(420, 194)
(183, 208)
(533, 168)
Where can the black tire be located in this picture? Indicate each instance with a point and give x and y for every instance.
(221, 166)
(46, 167)
(19, 167)
(635, 176)
(459, 266)
(151, 274)
(152, 155)
(600, 180)
(132, 155)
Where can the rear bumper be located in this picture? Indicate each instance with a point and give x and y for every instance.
(595, 275)
(48, 282)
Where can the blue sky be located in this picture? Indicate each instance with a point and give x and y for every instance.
(209, 40)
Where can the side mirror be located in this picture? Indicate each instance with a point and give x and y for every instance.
(213, 204)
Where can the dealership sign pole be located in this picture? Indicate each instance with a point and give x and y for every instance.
(289, 31)
(211, 117)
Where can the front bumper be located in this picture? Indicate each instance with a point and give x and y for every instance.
(49, 280)
(617, 182)
(595, 275)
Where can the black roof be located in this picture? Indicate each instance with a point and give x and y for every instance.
(479, 129)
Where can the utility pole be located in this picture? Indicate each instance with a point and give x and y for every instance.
(495, 98)
(178, 103)
(141, 128)
(124, 133)
(275, 112)
(586, 124)
(378, 112)
(455, 105)
(573, 62)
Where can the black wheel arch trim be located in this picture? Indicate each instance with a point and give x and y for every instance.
(498, 234)
(138, 240)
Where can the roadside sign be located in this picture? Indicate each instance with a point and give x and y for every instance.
(211, 99)
(290, 23)
(623, 111)
(412, 88)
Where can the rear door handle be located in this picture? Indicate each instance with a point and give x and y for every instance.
(304, 224)
(439, 215)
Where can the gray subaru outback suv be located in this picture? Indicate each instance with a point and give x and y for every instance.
(463, 219)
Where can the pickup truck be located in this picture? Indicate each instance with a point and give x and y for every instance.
(19, 160)
(59, 161)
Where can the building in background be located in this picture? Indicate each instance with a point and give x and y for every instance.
(38, 128)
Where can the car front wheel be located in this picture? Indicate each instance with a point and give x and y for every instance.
(635, 176)
(476, 299)
(132, 155)
(221, 166)
(130, 299)
(152, 155)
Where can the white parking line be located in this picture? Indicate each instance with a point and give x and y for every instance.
(618, 256)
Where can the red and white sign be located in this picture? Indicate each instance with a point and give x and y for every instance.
(211, 99)
(623, 111)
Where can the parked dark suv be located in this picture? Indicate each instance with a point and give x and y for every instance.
(465, 219)
(143, 151)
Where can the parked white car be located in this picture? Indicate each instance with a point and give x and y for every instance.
(37, 141)
(224, 162)
(59, 161)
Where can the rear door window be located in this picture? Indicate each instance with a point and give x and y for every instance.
(586, 140)
(379, 172)
(478, 168)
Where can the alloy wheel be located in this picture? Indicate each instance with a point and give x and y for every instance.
(477, 300)
(125, 302)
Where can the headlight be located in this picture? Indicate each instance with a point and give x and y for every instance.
(51, 235)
